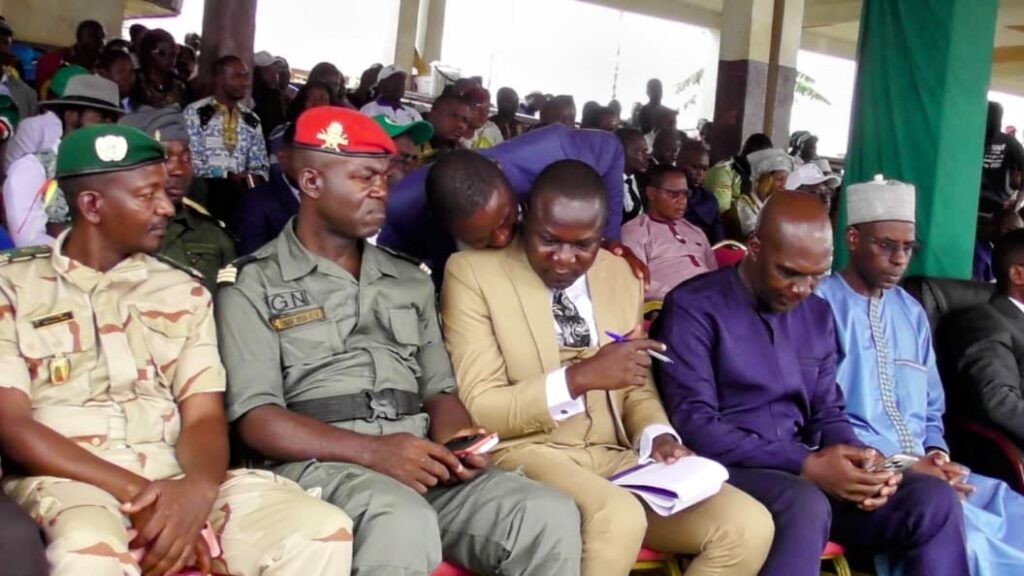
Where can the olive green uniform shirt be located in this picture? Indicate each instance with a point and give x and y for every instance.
(200, 242)
(296, 327)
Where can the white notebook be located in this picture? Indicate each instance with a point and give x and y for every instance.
(669, 488)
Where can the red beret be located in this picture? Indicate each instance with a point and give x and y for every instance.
(341, 131)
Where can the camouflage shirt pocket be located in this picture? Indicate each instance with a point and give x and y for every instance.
(57, 354)
(164, 331)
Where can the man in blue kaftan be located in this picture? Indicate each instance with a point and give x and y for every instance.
(887, 370)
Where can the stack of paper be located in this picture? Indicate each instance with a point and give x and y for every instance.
(669, 488)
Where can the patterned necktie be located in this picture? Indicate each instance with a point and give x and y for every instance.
(575, 333)
(885, 380)
(630, 198)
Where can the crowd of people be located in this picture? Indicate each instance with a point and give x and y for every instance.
(244, 326)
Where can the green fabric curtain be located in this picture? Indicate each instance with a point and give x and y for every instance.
(923, 70)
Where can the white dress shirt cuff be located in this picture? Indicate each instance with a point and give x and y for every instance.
(646, 444)
(561, 404)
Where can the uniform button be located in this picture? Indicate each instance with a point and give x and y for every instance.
(96, 441)
(564, 412)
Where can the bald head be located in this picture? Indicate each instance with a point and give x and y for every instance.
(789, 252)
(790, 217)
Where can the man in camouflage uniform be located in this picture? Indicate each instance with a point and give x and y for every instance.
(337, 373)
(111, 414)
(194, 238)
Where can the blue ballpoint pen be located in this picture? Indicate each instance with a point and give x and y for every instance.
(651, 353)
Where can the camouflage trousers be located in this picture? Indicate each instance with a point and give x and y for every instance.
(266, 525)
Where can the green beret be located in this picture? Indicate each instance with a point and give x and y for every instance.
(106, 148)
(163, 124)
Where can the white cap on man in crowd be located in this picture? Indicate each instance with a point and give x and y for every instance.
(262, 59)
(880, 200)
(810, 175)
(389, 71)
(769, 160)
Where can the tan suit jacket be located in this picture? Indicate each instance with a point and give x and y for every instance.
(500, 333)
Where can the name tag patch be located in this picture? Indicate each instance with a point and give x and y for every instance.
(53, 319)
(283, 322)
(285, 301)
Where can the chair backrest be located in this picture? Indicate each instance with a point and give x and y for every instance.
(979, 444)
(728, 253)
(943, 296)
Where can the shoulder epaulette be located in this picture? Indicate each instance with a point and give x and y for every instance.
(251, 119)
(229, 273)
(175, 264)
(22, 254)
(206, 114)
(403, 256)
(197, 207)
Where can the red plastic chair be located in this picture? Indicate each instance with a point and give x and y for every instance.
(1013, 460)
(446, 569)
(729, 253)
(835, 555)
(648, 559)
(669, 564)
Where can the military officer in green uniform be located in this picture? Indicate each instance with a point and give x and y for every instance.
(194, 238)
(111, 403)
(339, 378)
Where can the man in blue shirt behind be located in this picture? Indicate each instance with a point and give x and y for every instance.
(888, 373)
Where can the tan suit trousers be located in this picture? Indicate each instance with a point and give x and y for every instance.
(729, 533)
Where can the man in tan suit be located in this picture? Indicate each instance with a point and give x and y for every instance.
(525, 327)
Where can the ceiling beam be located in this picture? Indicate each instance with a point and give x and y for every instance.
(152, 8)
(821, 14)
(814, 42)
(677, 11)
(1005, 54)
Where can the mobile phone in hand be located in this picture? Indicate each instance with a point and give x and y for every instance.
(463, 446)
(896, 463)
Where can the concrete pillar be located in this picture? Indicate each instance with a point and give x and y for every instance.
(229, 27)
(923, 71)
(709, 84)
(756, 72)
(430, 31)
(406, 17)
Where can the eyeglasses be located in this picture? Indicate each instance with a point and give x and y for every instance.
(891, 247)
(673, 194)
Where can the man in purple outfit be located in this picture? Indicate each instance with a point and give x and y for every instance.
(753, 386)
(410, 229)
